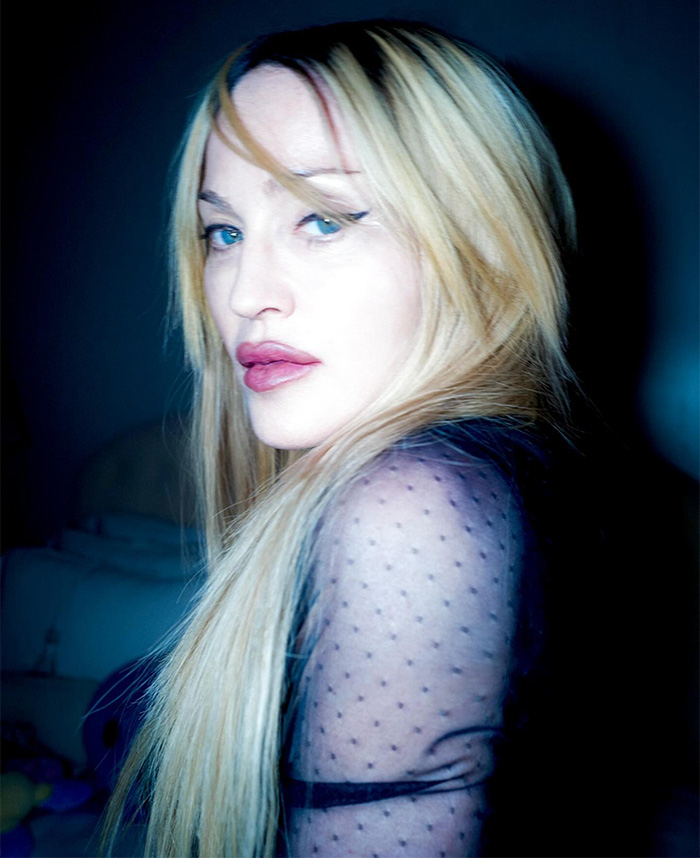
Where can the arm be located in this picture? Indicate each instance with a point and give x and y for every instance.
(402, 695)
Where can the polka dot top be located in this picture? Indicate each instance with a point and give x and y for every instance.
(399, 701)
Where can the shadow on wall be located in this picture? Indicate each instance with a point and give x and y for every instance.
(642, 593)
(145, 471)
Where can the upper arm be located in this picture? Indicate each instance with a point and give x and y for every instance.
(416, 576)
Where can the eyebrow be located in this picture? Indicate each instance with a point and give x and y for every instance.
(324, 171)
(272, 186)
(218, 202)
(222, 204)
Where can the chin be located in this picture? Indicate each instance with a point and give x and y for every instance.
(286, 435)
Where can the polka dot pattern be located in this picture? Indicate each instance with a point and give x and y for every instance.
(401, 696)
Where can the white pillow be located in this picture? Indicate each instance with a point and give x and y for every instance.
(154, 559)
(141, 529)
(69, 616)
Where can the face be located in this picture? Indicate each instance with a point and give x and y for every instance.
(317, 316)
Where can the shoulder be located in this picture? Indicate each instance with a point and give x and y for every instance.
(429, 501)
(455, 470)
(432, 477)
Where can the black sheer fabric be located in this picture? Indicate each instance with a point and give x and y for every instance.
(426, 594)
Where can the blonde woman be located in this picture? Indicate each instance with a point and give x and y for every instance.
(366, 235)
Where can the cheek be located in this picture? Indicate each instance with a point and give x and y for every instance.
(372, 319)
(217, 301)
(388, 307)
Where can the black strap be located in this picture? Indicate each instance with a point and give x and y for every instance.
(319, 795)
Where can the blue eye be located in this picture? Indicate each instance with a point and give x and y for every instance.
(322, 226)
(327, 226)
(319, 225)
(221, 236)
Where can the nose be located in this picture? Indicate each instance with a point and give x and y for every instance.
(260, 285)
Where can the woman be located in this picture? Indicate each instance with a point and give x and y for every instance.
(366, 233)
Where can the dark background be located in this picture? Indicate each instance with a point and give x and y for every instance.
(95, 104)
(94, 111)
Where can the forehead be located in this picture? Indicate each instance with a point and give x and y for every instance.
(286, 117)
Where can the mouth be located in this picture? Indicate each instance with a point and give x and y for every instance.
(268, 365)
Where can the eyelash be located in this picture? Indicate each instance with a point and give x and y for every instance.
(237, 234)
(220, 227)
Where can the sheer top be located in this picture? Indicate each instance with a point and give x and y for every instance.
(424, 596)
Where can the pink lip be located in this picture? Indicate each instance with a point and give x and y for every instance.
(270, 364)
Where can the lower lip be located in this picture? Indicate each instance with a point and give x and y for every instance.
(268, 376)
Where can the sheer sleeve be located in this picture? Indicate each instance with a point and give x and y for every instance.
(401, 696)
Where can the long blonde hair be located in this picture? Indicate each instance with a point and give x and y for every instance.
(464, 171)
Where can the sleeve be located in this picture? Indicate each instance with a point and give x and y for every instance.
(401, 697)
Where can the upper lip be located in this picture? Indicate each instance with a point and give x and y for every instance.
(248, 354)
